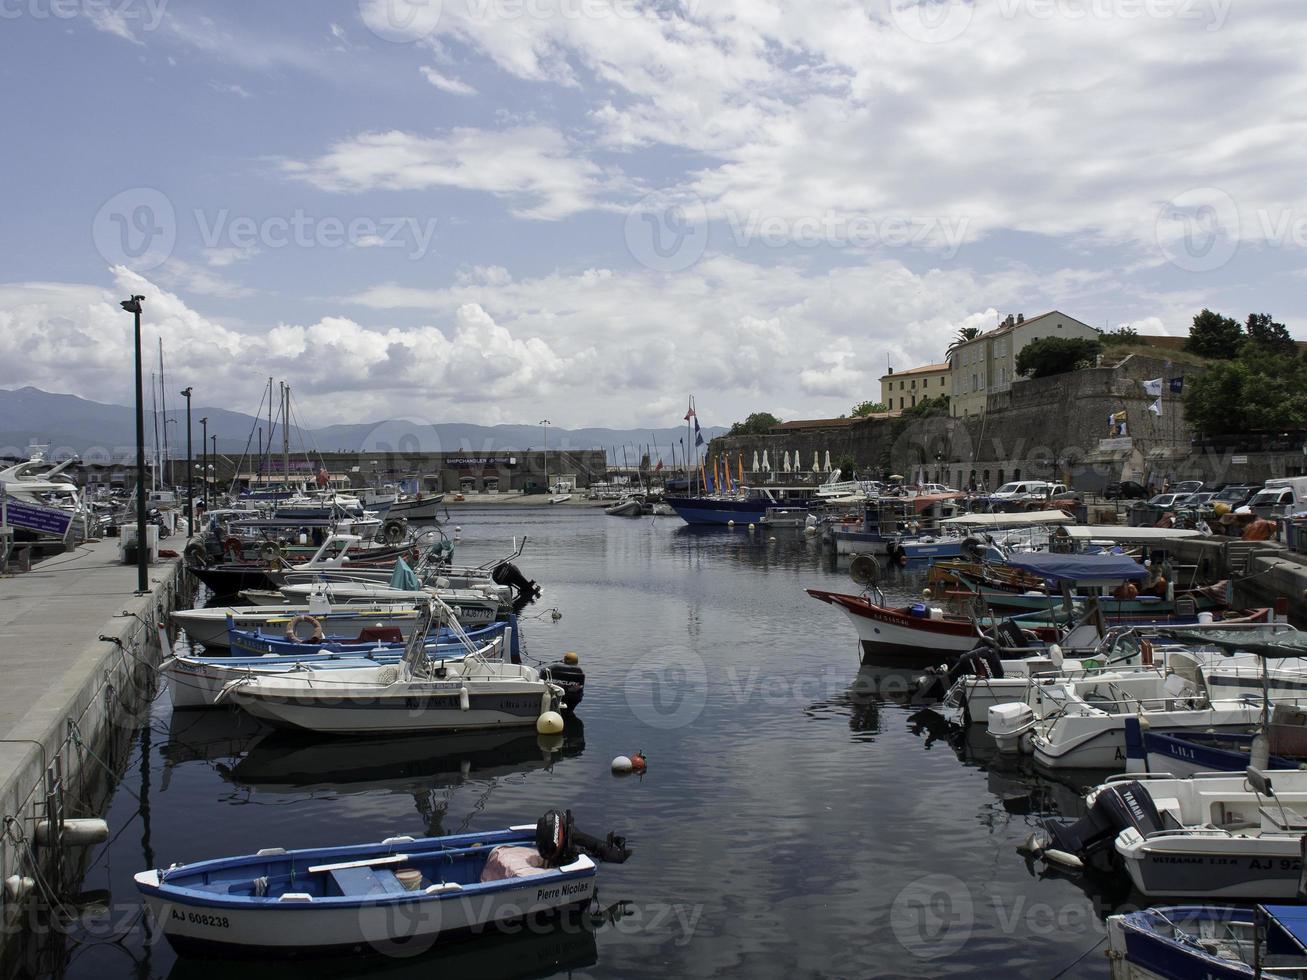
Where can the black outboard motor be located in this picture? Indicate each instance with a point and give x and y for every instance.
(973, 547)
(1117, 806)
(558, 841)
(506, 573)
(568, 675)
(982, 661)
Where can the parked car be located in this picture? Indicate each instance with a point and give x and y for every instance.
(1187, 486)
(1235, 494)
(1166, 501)
(1125, 490)
(1197, 501)
(1028, 489)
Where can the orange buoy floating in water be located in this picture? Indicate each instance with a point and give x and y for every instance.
(638, 762)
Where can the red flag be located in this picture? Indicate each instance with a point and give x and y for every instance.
(689, 412)
(659, 466)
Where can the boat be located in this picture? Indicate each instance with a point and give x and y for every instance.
(1214, 942)
(419, 694)
(785, 517)
(422, 509)
(1211, 835)
(401, 894)
(209, 625)
(339, 552)
(746, 506)
(628, 507)
(198, 682)
(263, 642)
(1080, 724)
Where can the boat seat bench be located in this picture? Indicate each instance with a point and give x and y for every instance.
(366, 881)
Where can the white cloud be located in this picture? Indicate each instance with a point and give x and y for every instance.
(447, 84)
(533, 167)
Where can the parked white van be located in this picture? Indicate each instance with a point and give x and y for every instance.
(1280, 497)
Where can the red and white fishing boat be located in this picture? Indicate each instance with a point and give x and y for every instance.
(907, 636)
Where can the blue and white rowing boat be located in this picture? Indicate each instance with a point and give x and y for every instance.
(399, 895)
(369, 641)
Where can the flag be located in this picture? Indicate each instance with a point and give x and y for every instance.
(1177, 385)
(1153, 388)
(659, 467)
(689, 411)
(698, 436)
(1156, 406)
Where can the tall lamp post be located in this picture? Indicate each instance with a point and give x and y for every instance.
(545, 423)
(204, 455)
(190, 469)
(133, 306)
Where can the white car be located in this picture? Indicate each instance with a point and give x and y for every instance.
(1028, 490)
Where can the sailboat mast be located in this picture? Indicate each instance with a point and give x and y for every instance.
(163, 405)
(154, 403)
(285, 431)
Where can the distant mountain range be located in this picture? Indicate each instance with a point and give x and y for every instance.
(94, 430)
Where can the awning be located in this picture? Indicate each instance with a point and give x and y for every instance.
(1109, 532)
(1029, 518)
(1079, 568)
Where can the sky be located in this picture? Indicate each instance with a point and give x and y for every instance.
(503, 210)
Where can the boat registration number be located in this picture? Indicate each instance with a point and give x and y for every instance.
(201, 919)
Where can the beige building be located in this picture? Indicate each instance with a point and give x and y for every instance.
(988, 364)
(904, 389)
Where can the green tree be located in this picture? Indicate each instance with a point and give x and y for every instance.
(863, 409)
(1121, 335)
(1261, 389)
(846, 466)
(1215, 336)
(1271, 336)
(928, 407)
(1057, 355)
(964, 335)
(757, 424)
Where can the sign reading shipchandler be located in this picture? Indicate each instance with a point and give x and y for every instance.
(479, 462)
(32, 517)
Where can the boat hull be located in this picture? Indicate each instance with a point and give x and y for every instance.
(205, 920)
(705, 510)
(1265, 867)
(889, 637)
(209, 626)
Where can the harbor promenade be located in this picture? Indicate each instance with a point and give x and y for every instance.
(66, 692)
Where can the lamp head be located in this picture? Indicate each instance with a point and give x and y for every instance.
(132, 305)
(186, 392)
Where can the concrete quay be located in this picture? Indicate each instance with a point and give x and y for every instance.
(69, 700)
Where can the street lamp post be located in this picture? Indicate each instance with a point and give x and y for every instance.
(190, 468)
(133, 306)
(545, 423)
(204, 455)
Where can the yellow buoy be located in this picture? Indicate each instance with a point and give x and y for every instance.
(549, 723)
(571, 658)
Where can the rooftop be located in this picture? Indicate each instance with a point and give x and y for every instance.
(924, 369)
(815, 424)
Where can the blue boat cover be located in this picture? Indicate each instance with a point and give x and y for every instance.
(1079, 567)
(404, 578)
(1292, 923)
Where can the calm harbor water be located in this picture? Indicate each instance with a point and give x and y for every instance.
(799, 816)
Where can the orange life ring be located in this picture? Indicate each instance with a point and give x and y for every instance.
(234, 547)
(316, 636)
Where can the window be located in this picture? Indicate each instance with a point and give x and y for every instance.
(974, 386)
(914, 384)
(941, 382)
(900, 401)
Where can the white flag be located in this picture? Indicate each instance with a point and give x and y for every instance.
(1156, 406)
(1153, 388)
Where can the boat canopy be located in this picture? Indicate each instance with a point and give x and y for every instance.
(1033, 518)
(1271, 640)
(1098, 532)
(1079, 568)
(1287, 929)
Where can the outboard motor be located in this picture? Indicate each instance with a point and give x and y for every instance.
(558, 842)
(506, 573)
(1114, 808)
(982, 661)
(973, 547)
(568, 675)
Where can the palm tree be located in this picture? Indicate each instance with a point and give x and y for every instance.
(964, 335)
